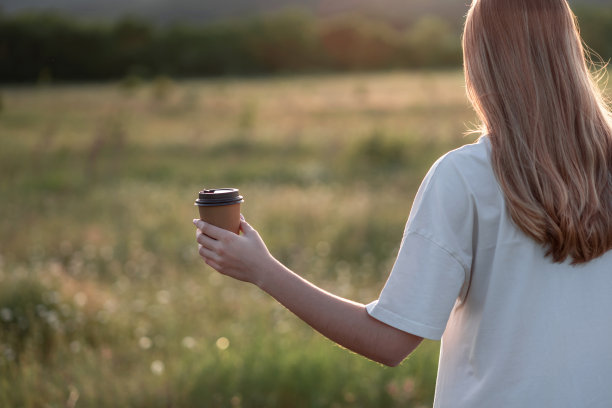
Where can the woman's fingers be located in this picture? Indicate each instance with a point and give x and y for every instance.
(210, 230)
(207, 241)
(245, 227)
(212, 264)
(209, 257)
(207, 253)
(211, 249)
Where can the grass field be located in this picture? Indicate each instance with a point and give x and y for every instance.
(103, 300)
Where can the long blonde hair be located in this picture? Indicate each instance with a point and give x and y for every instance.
(528, 79)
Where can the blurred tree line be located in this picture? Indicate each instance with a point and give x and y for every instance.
(44, 47)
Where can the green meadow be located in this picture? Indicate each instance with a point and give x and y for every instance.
(104, 301)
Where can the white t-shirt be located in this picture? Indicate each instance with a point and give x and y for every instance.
(517, 329)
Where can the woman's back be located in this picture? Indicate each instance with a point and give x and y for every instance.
(525, 331)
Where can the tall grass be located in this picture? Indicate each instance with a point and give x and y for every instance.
(103, 299)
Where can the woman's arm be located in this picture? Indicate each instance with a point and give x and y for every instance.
(245, 257)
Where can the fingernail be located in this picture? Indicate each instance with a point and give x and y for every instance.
(195, 221)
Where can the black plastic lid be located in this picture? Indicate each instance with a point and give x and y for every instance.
(218, 196)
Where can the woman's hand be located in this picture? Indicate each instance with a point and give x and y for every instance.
(243, 257)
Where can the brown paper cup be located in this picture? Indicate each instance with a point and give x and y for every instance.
(220, 207)
(222, 216)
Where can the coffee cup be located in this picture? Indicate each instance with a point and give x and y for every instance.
(220, 207)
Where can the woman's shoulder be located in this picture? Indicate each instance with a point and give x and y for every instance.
(476, 153)
(470, 162)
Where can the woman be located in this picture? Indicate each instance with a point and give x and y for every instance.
(506, 254)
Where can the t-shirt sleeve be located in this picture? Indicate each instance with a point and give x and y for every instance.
(432, 267)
